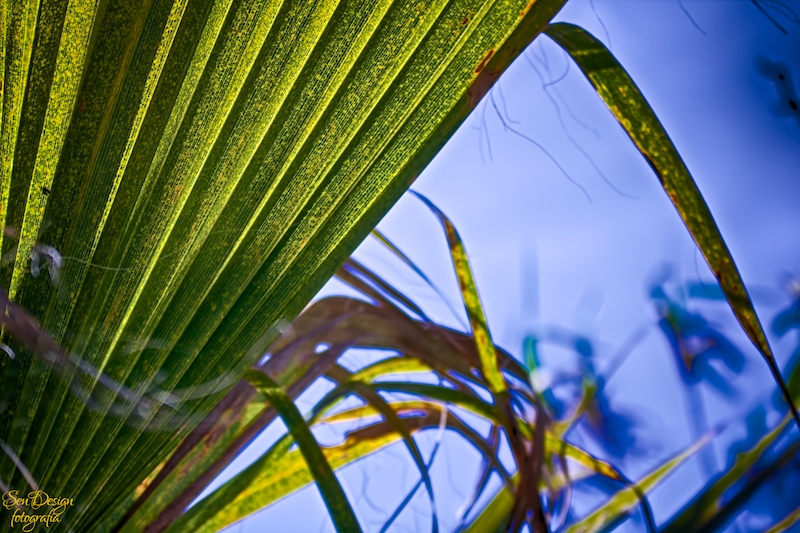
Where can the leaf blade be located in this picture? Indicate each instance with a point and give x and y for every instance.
(344, 519)
(637, 118)
(626, 499)
(472, 302)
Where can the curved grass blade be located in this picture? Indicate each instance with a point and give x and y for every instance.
(496, 513)
(233, 423)
(708, 503)
(395, 365)
(374, 399)
(472, 302)
(461, 399)
(790, 520)
(344, 519)
(428, 409)
(561, 447)
(559, 428)
(199, 459)
(528, 459)
(626, 499)
(353, 265)
(453, 350)
(637, 118)
(493, 442)
(355, 414)
(410, 495)
(480, 408)
(749, 488)
(196, 518)
(270, 479)
(413, 266)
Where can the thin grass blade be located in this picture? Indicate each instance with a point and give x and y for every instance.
(269, 480)
(708, 502)
(790, 520)
(472, 302)
(626, 499)
(344, 519)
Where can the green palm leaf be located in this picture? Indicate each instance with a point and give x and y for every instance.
(179, 177)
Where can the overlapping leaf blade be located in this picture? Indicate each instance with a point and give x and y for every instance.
(625, 500)
(472, 303)
(709, 501)
(289, 473)
(339, 508)
(338, 323)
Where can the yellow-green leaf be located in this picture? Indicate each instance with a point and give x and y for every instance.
(708, 502)
(626, 499)
(472, 303)
(788, 521)
(637, 118)
(338, 506)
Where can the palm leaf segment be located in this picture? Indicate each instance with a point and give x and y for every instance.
(179, 177)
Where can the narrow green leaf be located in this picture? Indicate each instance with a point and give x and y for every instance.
(461, 399)
(708, 503)
(793, 384)
(561, 447)
(790, 520)
(637, 118)
(206, 510)
(286, 475)
(403, 257)
(395, 365)
(480, 408)
(353, 265)
(271, 478)
(626, 499)
(413, 266)
(361, 412)
(559, 428)
(472, 303)
(374, 399)
(196, 462)
(493, 517)
(338, 506)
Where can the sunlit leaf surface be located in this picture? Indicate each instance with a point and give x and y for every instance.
(637, 118)
(179, 177)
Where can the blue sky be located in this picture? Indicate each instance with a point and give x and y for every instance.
(570, 233)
